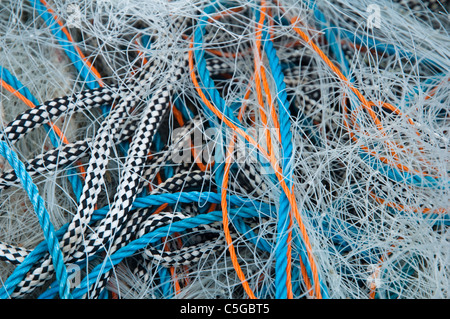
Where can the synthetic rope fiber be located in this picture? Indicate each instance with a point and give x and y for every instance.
(224, 149)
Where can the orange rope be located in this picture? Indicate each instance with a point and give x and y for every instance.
(257, 74)
(275, 166)
(226, 229)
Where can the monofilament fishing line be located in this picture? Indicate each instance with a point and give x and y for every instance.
(224, 149)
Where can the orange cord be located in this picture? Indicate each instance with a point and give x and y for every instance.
(275, 166)
(226, 229)
(257, 74)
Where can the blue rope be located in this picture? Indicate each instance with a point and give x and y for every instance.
(287, 165)
(44, 218)
(6, 76)
(165, 279)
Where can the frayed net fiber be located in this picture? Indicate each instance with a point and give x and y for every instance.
(224, 149)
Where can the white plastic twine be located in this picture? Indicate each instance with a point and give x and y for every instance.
(372, 234)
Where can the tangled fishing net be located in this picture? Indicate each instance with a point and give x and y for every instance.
(224, 149)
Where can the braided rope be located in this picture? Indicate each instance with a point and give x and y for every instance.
(66, 154)
(51, 110)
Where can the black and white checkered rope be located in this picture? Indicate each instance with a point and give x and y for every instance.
(217, 66)
(64, 155)
(68, 154)
(48, 267)
(100, 152)
(95, 173)
(53, 109)
(253, 182)
(187, 255)
(94, 180)
(128, 232)
(130, 180)
(184, 180)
